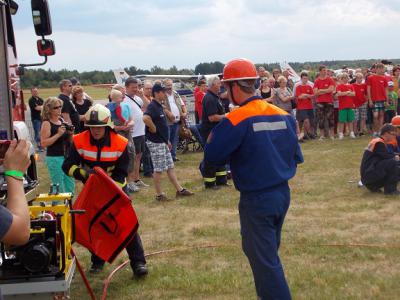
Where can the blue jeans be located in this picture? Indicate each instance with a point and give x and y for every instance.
(37, 124)
(196, 133)
(261, 219)
(147, 163)
(173, 138)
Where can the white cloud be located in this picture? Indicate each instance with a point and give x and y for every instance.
(123, 33)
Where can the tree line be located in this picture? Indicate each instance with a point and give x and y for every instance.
(50, 78)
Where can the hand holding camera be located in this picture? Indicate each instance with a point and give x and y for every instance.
(17, 156)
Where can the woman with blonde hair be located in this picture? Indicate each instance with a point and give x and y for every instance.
(55, 135)
(283, 95)
(81, 103)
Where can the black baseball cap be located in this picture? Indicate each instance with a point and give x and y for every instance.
(158, 88)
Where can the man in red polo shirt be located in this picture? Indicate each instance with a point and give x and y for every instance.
(377, 91)
(324, 87)
(304, 111)
(198, 98)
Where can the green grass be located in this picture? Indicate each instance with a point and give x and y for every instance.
(327, 209)
(95, 92)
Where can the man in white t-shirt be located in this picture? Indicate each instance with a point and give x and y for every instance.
(177, 107)
(136, 104)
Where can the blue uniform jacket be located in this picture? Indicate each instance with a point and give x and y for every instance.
(259, 141)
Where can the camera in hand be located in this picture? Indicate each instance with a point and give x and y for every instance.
(67, 126)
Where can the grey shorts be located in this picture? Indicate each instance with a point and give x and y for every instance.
(304, 114)
(139, 142)
(160, 156)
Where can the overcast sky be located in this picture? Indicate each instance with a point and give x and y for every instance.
(104, 35)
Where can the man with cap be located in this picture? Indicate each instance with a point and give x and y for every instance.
(86, 152)
(379, 164)
(260, 142)
(155, 119)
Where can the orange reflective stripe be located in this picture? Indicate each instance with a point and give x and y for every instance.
(372, 144)
(110, 153)
(252, 109)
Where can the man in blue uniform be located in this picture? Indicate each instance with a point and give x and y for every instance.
(259, 141)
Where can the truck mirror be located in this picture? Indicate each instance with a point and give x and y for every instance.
(41, 17)
(13, 7)
(46, 47)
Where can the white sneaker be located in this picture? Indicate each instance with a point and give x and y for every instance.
(141, 184)
(132, 187)
(352, 135)
(340, 135)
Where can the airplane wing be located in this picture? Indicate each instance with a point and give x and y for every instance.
(292, 73)
(161, 77)
(121, 76)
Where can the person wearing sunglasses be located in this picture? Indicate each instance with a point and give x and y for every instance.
(379, 165)
(69, 112)
(56, 138)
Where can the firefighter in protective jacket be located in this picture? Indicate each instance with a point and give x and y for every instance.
(101, 146)
(259, 141)
(379, 165)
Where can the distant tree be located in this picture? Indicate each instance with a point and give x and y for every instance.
(209, 68)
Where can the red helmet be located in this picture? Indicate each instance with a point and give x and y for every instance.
(396, 121)
(239, 69)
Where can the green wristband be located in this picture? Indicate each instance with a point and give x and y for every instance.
(14, 173)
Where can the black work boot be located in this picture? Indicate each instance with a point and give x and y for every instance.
(140, 269)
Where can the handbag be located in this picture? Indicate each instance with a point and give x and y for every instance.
(184, 131)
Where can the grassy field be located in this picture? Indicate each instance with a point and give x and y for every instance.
(325, 240)
(95, 93)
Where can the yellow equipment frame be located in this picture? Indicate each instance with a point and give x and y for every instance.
(59, 204)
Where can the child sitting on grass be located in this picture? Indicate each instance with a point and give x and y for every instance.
(345, 93)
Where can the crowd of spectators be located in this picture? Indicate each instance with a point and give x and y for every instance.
(338, 103)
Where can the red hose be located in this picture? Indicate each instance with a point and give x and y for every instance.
(83, 275)
(107, 281)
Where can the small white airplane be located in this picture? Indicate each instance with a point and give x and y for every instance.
(292, 73)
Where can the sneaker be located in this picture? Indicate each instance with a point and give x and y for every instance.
(184, 193)
(162, 198)
(95, 269)
(140, 183)
(176, 159)
(352, 135)
(341, 136)
(140, 269)
(360, 184)
(321, 138)
(132, 187)
(332, 138)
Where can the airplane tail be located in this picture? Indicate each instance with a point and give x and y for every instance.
(120, 76)
(292, 73)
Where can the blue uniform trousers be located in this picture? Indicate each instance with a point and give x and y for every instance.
(261, 219)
